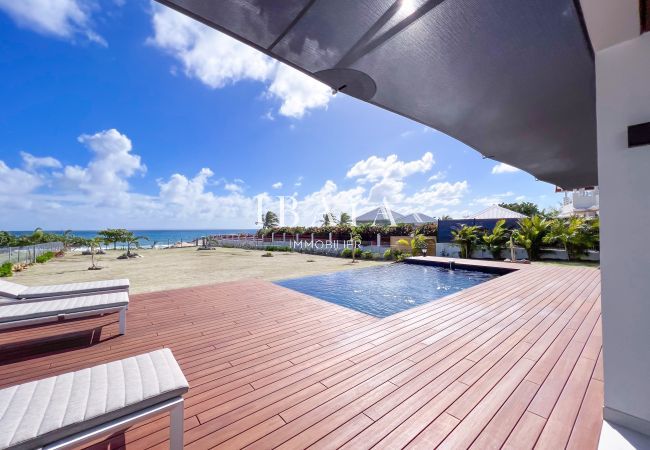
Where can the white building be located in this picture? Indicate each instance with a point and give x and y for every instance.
(580, 202)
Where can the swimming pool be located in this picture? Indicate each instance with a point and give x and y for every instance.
(384, 290)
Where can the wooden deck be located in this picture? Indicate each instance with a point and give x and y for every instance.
(515, 362)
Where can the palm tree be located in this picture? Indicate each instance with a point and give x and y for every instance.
(418, 243)
(328, 219)
(132, 240)
(37, 236)
(270, 220)
(7, 239)
(114, 235)
(575, 235)
(496, 240)
(345, 219)
(355, 238)
(93, 244)
(466, 236)
(530, 234)
(594, 232)
(67, 239)
(445, 217)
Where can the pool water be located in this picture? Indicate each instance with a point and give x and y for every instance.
(384, 290)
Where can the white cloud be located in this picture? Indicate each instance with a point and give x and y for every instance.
(212, 57)
(104, 180)
(440, 175)
(187, 201)
(504, 168)
(61, 18)
(277, 185)
(434, 200)
(16, 182)
(298, 92)
(377, 168)
(490, 200)
(387, 189)
(387, 176)
(32, 162)
(180, 190)
(98, 193)
(112, 164)
(422, 130)
(269, 116)
(439, 194)
(330, 199)
(218, 60)
(298, 182)
(233, 187)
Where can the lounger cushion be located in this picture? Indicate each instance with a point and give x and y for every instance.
(75, 288)
(15, 290)
(24, 310)
(41, 412)
(11, 290)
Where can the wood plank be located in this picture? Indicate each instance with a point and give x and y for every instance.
(272, 367)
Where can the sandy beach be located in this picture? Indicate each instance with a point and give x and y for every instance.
(165, 269)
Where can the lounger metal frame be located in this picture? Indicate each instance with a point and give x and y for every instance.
(174, 406)
(72, 315)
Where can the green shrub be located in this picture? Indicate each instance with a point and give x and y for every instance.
(367, 232)
(346, 253)
(358, 252)
(394, 253)
(6, 270)
(367, 255)
(278, 248)
(267, 255)
(45, 257)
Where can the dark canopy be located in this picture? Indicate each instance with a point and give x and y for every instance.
(513, 79)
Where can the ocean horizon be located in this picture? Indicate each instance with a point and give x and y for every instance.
(155, 237)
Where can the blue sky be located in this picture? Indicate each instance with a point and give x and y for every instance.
(128, 114)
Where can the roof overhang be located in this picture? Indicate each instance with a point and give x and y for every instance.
(512, 79)
(612, 22)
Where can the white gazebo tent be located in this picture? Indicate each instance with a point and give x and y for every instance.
(496, 212)
(417, 219)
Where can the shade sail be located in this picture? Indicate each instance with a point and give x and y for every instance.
(514, 79)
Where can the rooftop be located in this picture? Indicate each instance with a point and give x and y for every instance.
(380, 214)
(514, 361)
(496, 212)
(417, 218)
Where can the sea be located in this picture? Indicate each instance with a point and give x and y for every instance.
(159, 238)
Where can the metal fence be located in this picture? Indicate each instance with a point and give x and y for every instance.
(316, 246)
(29, 253)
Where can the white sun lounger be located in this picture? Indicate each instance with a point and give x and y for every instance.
(19, 313)
(69, 410)
(10, 290)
